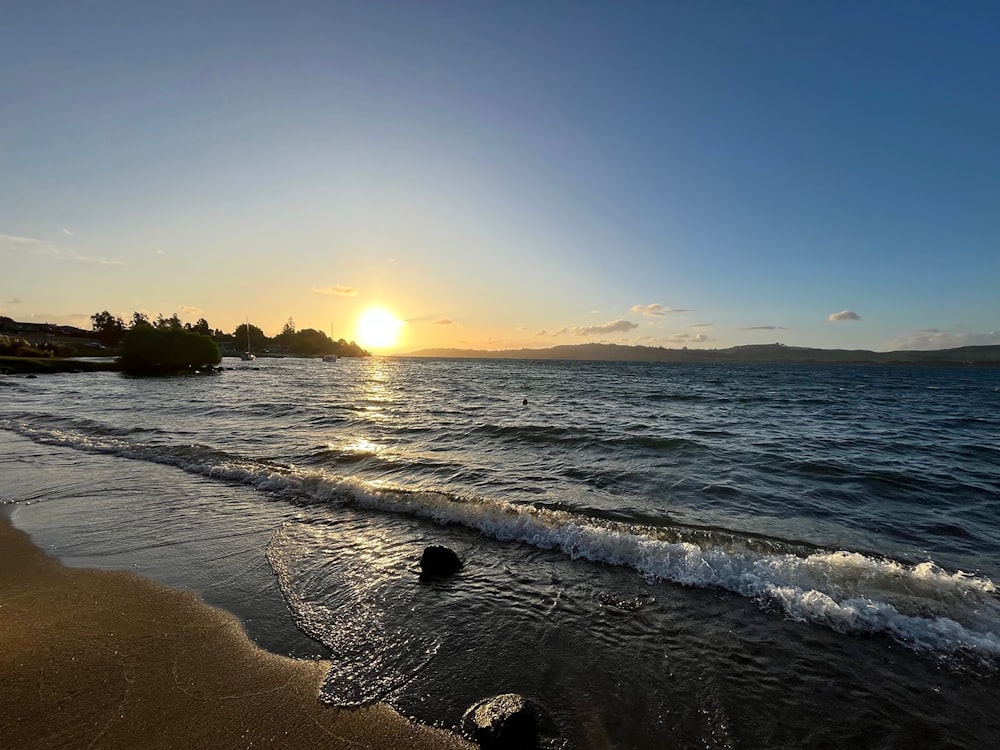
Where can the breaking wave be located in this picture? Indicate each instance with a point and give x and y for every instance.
(920, 605)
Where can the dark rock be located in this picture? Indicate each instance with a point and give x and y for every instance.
(438, 562)
(506, 722)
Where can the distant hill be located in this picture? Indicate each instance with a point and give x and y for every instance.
(754, 353)
(8, 325)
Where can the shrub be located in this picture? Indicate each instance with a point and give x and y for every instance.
(15, 347)
(147, 350)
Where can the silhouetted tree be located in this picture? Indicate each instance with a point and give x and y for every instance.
(148, 350)
(352, 350)
(108, 328)
(258, 340)
(139, 320)
(173, 322)
(202, 327)
(311, 342)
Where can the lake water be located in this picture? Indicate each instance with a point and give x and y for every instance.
(661, 555)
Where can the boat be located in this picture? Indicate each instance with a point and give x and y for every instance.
(330, 357)
(248, 355)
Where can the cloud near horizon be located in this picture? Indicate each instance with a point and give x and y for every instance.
(689, 338)
(443, 322)
(933, 338)
(762, 328)
(614, 326)
(843, 315)
(337, 291)
(189, 311)
(656, 310)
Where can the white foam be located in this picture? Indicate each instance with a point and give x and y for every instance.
(921, 606)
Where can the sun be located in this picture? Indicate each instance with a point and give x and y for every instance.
(377, 328)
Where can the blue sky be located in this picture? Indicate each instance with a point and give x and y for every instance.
(509, 174)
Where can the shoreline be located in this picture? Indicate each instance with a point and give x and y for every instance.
(108, 659)
(52, 365)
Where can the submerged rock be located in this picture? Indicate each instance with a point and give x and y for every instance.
(438, 562)
(508, 722)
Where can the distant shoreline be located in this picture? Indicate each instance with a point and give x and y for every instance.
(771, 354)
(968, 356)
(52, 365)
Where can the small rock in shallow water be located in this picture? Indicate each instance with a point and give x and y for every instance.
(437, 562)
(509, 722)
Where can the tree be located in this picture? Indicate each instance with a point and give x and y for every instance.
(258, 340)
(108, 329)
(139, 320)
(202, 327)
(287, 336)
(173, 322)
(311, 342)
(352, 350)
(147, 350)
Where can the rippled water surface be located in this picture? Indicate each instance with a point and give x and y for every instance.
(702, 555)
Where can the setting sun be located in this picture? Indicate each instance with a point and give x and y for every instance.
(378, 328)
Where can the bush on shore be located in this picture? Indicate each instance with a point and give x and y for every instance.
(147, 350)
(18, 347)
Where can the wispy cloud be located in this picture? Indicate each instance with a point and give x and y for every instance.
(189, 311)
(443, 322)
(542, 332)
(933, 338)
(337, 291)
(762, 328)
(161, 252)
(615, 326)
(14, 301)
(42, 249)
(843, 315)
(701, 325)
(657, 310)
(87, 259)
(67, 232)
(689, 338)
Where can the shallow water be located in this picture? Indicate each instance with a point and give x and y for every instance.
(697, 555)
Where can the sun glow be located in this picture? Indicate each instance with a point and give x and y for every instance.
(378, 328)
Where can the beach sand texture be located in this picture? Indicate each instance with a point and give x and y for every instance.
(98, 659)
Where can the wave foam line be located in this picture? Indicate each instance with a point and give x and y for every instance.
(922, 606)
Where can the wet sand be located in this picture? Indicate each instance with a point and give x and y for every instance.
(98, 659)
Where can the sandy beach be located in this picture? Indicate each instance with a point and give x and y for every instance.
(98, 659)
